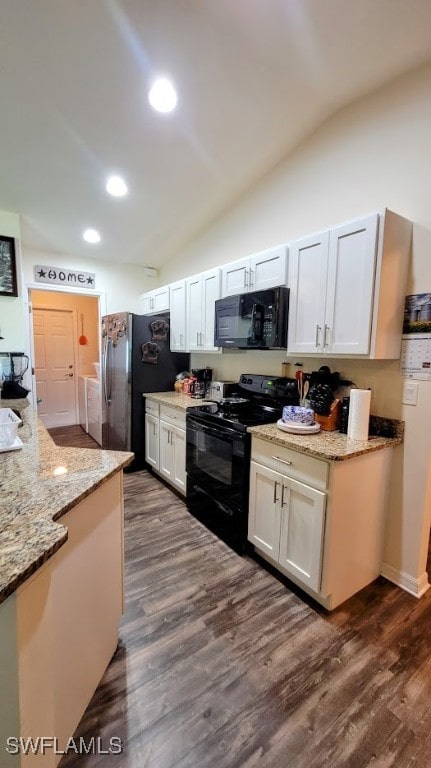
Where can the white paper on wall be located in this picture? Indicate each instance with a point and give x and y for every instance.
(415, 360)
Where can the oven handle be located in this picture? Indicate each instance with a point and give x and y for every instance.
(226, 433)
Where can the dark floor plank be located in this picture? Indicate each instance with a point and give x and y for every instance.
(221, 664)
(73, 437)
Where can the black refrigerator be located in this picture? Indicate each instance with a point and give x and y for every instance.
(136, 359)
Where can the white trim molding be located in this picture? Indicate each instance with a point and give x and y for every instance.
(415, 587)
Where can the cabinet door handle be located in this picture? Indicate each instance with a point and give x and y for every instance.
(318, 329)
(282, 495)
(250, 280)
(197, 338)
(325, 335)
(283, 461)
(246, 278)
(181, 339)
(274, 498)
(200, 339)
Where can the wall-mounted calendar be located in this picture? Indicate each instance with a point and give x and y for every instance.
(416, 356)
(415, 360)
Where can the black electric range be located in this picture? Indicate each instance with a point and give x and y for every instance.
(218, 452)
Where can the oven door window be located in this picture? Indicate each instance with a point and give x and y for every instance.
(216, 459)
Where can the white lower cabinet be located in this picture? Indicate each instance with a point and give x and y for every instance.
(320, 523)
(286, 521)
(173, 455)
(152, 440)
(165, 443)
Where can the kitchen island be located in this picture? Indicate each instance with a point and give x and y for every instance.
(61, 582)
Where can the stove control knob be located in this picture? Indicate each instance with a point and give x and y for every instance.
(249, 381)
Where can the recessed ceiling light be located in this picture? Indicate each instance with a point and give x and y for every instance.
(116, 186)
(91, 236)
(162, 95)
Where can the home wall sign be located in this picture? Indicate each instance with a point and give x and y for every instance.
(63, 276)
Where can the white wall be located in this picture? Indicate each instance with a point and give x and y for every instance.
(121, 283)
(373, 154)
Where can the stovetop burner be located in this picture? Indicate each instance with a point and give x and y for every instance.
(261, 401)
(240, 419)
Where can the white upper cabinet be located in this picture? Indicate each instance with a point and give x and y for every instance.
(201, 293)
(308, 269)
(266, 269)
(153, 302)
(178, 316)
(347, 288)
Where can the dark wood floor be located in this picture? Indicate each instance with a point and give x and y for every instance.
(221, 665)
(75, 437)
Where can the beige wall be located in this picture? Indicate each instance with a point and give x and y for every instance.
(88, 306)
(371, 155)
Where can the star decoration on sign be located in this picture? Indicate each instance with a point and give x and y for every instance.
(90, 280)
(41, 273)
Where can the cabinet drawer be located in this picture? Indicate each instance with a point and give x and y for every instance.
(152, 407)
(173, 416)
(297, 465)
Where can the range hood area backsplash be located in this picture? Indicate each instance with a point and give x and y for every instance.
(382, 376)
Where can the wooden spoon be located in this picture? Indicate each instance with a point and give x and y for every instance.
(82, 339)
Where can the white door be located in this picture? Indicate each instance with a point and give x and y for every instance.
(152, 440)
(54, 345)
(264, 510)
(349, 302)
(268, 269)
(179, 477)
(178, 317)
(235, 277)
(308, 263)
(194, 313)
(210, 292)
(301, 537)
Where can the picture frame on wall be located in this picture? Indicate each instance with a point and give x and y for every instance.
(8, 281)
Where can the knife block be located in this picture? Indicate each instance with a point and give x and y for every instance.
(332, 422)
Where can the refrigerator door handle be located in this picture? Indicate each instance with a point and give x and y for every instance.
(107, 394)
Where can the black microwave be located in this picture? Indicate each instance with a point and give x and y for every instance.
(255, 320)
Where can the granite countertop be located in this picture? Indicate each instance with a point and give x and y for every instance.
(38, 484)
(177, 400)
(335, 446)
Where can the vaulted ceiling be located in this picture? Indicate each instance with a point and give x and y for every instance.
(254, 77)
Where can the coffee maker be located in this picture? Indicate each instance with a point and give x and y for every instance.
(198, 387)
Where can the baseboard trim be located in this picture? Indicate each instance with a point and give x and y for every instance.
(415, 587)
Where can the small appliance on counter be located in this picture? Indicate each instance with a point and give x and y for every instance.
(13, 367)
(201, 378)
(217, 390)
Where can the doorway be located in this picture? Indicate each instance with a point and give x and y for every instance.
(65, 347)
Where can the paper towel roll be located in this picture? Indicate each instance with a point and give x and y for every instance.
(359, 414)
